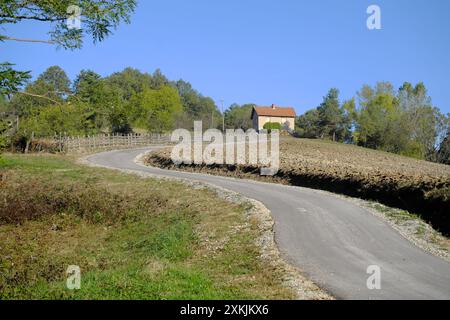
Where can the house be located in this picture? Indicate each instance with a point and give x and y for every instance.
(283, 116)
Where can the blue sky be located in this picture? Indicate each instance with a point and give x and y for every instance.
(283, 52)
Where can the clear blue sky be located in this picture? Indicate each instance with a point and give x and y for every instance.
(283, 52)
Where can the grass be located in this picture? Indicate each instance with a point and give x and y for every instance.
(133, 238)
(413, 227)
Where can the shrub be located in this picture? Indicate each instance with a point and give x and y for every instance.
(23, 198)
(3, 130)
(119, 121)
(3, 142)
(269, 126)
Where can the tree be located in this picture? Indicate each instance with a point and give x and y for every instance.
(11, 80)
(5, 122)
(86, 85)
(329, 120)
(443, 154)
(330, 115)
(239, 117)
(56, 80)
(403, 122)
(155, 110)
(4, 104)
(197, 107)
(347, 122)
(51, 87)
(379, 120)
(308, 124)
(158, 80)
(422, 121)
(99, 18)
(4, 126)
(50, 120)
(129, 82)
(104, 101)
(119, 120)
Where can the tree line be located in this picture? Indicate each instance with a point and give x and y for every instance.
(402, 121)
(122, 102)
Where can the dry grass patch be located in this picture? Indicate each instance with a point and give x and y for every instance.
(133, 238)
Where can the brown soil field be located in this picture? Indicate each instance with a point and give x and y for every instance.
(418, 186)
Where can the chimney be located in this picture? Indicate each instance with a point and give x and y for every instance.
(273, 106)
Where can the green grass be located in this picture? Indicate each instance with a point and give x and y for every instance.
(413, 225)
(133, 238)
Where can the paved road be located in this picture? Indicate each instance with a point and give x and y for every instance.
(331, 239)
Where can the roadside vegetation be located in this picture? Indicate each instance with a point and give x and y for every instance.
(133, 238)
(413, 228)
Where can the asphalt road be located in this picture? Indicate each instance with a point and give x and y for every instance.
(331, 239)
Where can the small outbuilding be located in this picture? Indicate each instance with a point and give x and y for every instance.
(283, 116)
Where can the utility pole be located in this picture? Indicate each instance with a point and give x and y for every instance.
(223, 117)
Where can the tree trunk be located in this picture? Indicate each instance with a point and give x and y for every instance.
(27, 147)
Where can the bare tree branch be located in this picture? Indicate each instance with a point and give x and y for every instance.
(37, 96)
(38, 18)
(28, 40)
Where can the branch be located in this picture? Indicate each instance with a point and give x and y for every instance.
(42, 18)
(28, 40)
(47, 98)
(38, 96)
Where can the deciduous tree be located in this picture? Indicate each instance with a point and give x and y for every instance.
(99, 19)
(155, 109)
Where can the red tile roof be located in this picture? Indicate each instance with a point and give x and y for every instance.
(275, 111)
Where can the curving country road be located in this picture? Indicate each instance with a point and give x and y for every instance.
(331, 239)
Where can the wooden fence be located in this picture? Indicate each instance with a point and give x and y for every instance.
(108, 142)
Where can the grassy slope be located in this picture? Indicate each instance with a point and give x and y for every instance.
(133, 238)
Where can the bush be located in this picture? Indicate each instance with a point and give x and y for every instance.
(119, 121)
(23, 198)
(269, 126)
(3, 143)
(3, 130)
(70, 119)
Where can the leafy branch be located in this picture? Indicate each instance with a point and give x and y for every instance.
(10, 79)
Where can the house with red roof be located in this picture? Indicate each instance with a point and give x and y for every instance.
(283, 116)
